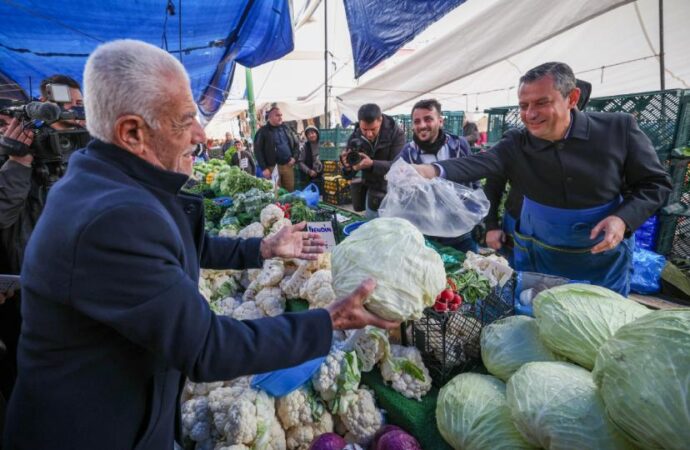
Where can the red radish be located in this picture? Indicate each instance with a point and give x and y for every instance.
(447, 294)
(440, 307)
(453, 306)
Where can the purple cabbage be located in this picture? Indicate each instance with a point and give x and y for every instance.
(328, 441)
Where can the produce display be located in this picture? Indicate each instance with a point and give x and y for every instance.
(408, 274)
(643, 374)
(540, 394)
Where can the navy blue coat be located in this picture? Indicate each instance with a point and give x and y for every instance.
(113, 318)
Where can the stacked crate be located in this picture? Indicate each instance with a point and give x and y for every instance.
(336, 190)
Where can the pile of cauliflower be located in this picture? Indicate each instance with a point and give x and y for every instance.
(233, 416)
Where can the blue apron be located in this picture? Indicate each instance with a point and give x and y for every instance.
(555, 241)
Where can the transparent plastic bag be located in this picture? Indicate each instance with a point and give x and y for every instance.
(437, 207)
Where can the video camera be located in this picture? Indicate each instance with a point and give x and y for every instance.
(354, 148)
(49, 145)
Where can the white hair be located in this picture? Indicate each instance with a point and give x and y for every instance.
(127, 77)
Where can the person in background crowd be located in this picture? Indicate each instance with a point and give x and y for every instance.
(499, 234)
(309, 162)
(113, 318)
(431, 143)
(243, 158)
(276, 145)
(471, 133)
(588, 180)
(375, 143)
(227, 143)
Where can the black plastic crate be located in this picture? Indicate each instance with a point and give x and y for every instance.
(331, 168)
(449, 342)
(341, 196)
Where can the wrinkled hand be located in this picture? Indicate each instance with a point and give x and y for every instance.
(6, 295)
(614, 229)
(267, 173)
(365, 163)
(425, 170)
(15, 131)
(348, 313)
(495, 239)
(292, 242)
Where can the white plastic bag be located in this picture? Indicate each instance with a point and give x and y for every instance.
(437, 207)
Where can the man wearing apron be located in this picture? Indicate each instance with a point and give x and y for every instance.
(589, 180)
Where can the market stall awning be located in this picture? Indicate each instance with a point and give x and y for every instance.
(42, 38)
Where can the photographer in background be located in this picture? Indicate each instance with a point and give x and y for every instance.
(371, 148)
(35, 142)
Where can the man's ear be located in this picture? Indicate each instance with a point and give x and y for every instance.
(573, 98)
(129, 133)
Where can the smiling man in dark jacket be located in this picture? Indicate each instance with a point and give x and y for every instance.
(113, 317)
(371, 148)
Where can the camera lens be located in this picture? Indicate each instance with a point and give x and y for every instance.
(353, 157)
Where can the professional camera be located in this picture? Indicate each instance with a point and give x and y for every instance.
(49, 145)
(354, 148)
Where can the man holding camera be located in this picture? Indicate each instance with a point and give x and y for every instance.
(275, 144)
(33, 165)
(371, 148)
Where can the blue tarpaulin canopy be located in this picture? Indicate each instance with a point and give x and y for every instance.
(378, 28)
(43, 38)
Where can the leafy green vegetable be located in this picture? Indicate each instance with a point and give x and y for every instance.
(556, 405)
(471, 285)
(576, 319)
(509, 343)
(410, 368)
(301, 212)
(472, 414)
(212, 212)
(643, 374)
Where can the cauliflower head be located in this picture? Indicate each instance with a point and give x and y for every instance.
(318, 290)
(253, 230)
(406, 372)
(301, 436)
(371, 345)
(361, 417)
(270, 214)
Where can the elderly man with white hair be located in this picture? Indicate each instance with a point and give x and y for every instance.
(113, 319)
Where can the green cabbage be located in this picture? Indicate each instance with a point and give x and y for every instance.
(472, 414)
(643, 374)
(408, 274)
(509, 343)
(555, 405)
(576, 319)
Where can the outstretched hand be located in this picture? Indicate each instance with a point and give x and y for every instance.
(614, 232)
(292, 242)
(348, 313)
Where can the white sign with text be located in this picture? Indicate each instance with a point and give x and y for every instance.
(325, 230)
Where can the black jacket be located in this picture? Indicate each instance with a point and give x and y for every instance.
(113, 317)
(265, 146)
(385, 149)
(246, 154)
(604, 156)
(22, 196)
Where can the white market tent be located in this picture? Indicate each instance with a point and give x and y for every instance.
(472, 58)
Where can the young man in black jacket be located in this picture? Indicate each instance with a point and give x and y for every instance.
(371, 148)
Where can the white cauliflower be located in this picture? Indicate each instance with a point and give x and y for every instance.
(299, 407)
(271, 274)
(219, 402)
(279, 225)
(318, 290)
(301, 436)
(494, 267)
(228, 232)
(200, 389)
(371, 345)
(270, 300)
(337, 376)
(232, 447)
(250, 293)
(269, 433)
(226, 306)
(253, 230)
(361, 417)
(247, 311)
(406, 372)
(291, 285)
(270, 214)
(196, 419)
(322, 262)
(241, 423)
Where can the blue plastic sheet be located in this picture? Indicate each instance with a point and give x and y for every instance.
(378, 28)
(42, 38)
(647, 268)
